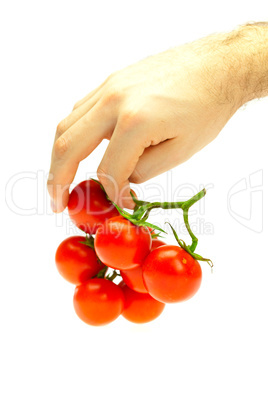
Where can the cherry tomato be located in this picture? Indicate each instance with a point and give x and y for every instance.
(133, 277)
(122, 245)
(170, 274)
(98, 301)
(88, 206)
(157, 243)
(140, 307)
(75, 261)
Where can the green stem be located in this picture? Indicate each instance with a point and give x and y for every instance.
(194, 199)
(188, 249)
(102, 272)
(193, 237)
(140, 214)
(112, 276)
(143, 211)
(184, 205)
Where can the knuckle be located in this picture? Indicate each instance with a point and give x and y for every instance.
(130, 118)
(100, 171)
(112, 97)
(104, 177)
(110, 78)
(137, 177)
(76, 105)
(61, 127)
(61, 147)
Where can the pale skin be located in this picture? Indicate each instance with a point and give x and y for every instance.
(160, 111)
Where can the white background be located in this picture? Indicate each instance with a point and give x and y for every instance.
(212, 347)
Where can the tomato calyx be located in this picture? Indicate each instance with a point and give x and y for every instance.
(156, 235)
(183, 245)
(89, 241)
(137, 218)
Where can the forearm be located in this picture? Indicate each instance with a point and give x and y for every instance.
(231, 67)
(250, 58)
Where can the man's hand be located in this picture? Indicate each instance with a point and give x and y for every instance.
(156, 113)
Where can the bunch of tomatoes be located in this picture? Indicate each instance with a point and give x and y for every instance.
(152, 273)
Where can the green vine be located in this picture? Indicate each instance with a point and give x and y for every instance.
(142, 211)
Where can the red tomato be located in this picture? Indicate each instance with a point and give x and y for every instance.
(88, 206)
(170, 274)
(98, 301)
(122, 245)
(133, 277)
(140, 307)
(157, 243)
(75, 261)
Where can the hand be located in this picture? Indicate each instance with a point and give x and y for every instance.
(156, 113)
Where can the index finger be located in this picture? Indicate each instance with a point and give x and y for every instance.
(72, 147)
